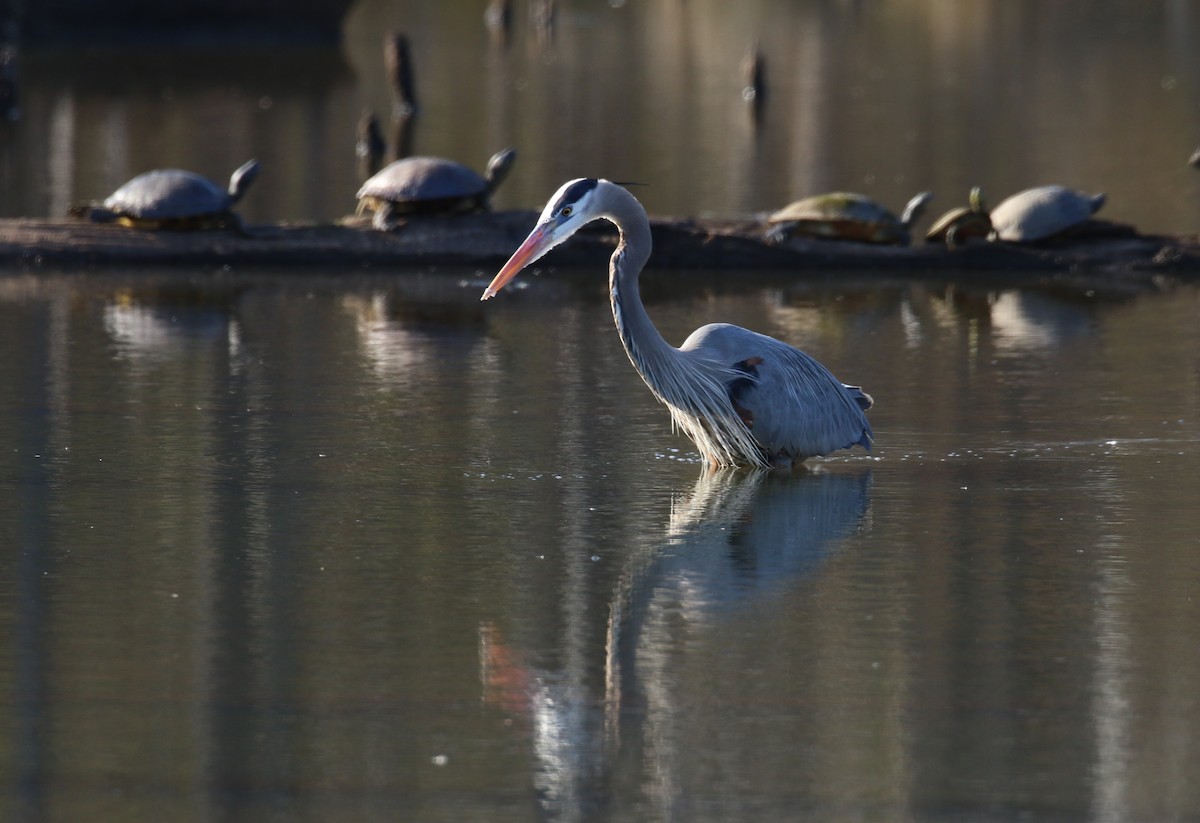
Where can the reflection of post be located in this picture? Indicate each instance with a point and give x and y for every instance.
(45, 384)
(1111, 714)
(61, 154)
(807, 165)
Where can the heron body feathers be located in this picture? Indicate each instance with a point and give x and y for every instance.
(799, 409)
(742, 397)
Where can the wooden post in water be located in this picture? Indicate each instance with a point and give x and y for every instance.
(498, 19)
(368, 145)
(541, 16)
(754, 79)
(398, 64)
(9, 108)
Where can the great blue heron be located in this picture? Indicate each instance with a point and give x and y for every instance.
(742, 397)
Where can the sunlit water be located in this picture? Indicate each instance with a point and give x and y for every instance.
(326, 548)
(887, 99)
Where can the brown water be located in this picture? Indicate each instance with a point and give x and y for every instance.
(330, 547)
(883, 98)
(285, 547)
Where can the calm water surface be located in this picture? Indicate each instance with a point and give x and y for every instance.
(324, 548)
(885, 98)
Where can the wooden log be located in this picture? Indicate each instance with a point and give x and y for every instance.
(487, 239)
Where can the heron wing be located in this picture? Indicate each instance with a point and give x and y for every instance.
(793, 405)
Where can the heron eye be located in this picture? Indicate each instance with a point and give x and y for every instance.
(565, 211)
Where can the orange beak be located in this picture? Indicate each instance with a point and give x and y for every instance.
(536, 244)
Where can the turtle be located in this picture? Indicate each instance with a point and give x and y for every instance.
(430, 185)
(1042, 212)
(845, 216)
(963, 223)
(174, 199)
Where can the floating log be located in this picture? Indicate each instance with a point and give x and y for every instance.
(487, 239)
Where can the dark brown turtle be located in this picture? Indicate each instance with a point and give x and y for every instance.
(430, 185)
(963, 223)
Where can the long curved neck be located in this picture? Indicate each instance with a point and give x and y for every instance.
(695, 389)
(643, 343)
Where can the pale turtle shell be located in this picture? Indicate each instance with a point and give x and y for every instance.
(1038, 213)
(415, 179)
(168, 194)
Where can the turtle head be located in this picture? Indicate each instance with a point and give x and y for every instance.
(498, 167)
(975, 200)
(915, 208)
(241, 179)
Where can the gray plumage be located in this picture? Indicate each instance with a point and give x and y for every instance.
(742, 397)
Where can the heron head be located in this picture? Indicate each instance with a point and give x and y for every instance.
(573, 206)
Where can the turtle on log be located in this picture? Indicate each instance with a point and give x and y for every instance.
(1042, 212)
(174, 199)
(430, 185)
(845, 216)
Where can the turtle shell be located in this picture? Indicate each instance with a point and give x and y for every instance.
(963, 223)
(967, 223)
(1038, 213)
(430, 182)
(168, 194)
(835, 206)
(842, 215)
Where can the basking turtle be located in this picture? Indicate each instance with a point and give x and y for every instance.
(845, 216)
(963, 223)
(430, 185)
(174, 199)
(1038, 213)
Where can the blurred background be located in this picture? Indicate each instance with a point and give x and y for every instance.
(885, 98)
(350, 545)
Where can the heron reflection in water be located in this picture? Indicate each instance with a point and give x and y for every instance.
(742, 397)
(735, 540)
